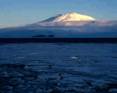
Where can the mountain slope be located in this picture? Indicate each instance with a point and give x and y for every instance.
(69, 19)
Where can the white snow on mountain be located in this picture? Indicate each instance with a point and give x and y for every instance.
(73, 17)
(68, 19)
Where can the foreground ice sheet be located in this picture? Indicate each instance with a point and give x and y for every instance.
(79, 68)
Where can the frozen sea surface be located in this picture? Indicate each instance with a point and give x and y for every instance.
(77, 66)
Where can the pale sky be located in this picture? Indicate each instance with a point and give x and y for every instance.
(21, 12)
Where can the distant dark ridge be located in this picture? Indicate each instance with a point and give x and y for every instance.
(58, 40)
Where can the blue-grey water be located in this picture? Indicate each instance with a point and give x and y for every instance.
(75, 63)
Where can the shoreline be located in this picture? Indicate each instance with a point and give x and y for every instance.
(58, 40)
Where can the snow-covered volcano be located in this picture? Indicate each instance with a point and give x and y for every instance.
(72, 17)
(68, 19)
(66, 25)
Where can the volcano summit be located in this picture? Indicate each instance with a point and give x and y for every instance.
(68, 19)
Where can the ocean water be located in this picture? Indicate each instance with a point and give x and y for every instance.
(74, 63)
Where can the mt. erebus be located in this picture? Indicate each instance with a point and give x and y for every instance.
(68, 19)
(67, 25)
